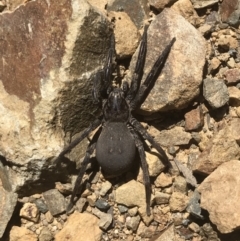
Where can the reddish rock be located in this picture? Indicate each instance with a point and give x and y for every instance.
(227, 8)
(220, 195)
(232, 75)
(194, 119)
(22, 234)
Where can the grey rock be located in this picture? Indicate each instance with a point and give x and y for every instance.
(138, 16)
(41, 205)
(133, 222)
(102, 205)
(230, 12)
(194, 205)
(8, 199)
(45, 235)
(122, 208)
(215, 92)
(55, 201)
(105, 218)
(180, 68)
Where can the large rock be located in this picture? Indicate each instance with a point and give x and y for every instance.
(49, 53)
(221, 148)
(81, 227)
(220, 196)
(181, 77)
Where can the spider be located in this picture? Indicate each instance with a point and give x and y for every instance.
(120, 134)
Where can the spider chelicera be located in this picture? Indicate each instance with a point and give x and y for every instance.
(120, 134)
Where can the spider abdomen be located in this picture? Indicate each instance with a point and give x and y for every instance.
(115, 150)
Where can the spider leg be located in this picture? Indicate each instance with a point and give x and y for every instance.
(140, 129)
(85, 133)
(85, 162)
(138, 71)
(102, 79)
(144, 166)
(151, 77)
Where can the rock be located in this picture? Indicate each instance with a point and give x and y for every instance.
(161, 4)
(155, 166)
(232, 75)
(146, 219)
(180, 184)
(185, 8)
(161, 198)
(8, 199)
(22, 234)
(214, 63)
(126, 33)
(131, 194)
(194, 119)
(41, 205)
(176, 75)
(167, 235)
(231, 63)
(234, 126)
(55, 201)
(101, 5)
(198, 4)
(226, 42)
(194, 227)
(30, 212)
(105, 218)
(234, 96)
(215, 92)
(209, 232)
(80, 204)
(92, 199)
(45, 235)
(146, 232)
(221, 148)
(64, 188)
(106, 186)
(176, 136)
(138, 16)
(229, 11)
(122, 208)
(81, 227)
(66, 50)
(220, 196)
(163, 180)
(178, 202)
(49, 217)
(206, 29)
(102, 205)
(133, 222)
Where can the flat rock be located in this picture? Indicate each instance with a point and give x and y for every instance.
(161, 4)
(221, 148)
(178, 202)
(215, 92)
(131, 194)
(220, 196)
(234, 96)
(155, 166)
(81, 227)
(105, 218)
(194, 119)
(58, 50)
(172, 89)
(55, 201)
(176, 136)
(198, 4)
(232, 75)
(22, 234)
(30, 211)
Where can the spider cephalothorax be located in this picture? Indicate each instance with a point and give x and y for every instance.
(120, 135)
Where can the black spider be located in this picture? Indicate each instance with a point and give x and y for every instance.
(120, 133)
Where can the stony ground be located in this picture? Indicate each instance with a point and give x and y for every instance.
(199, 126)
